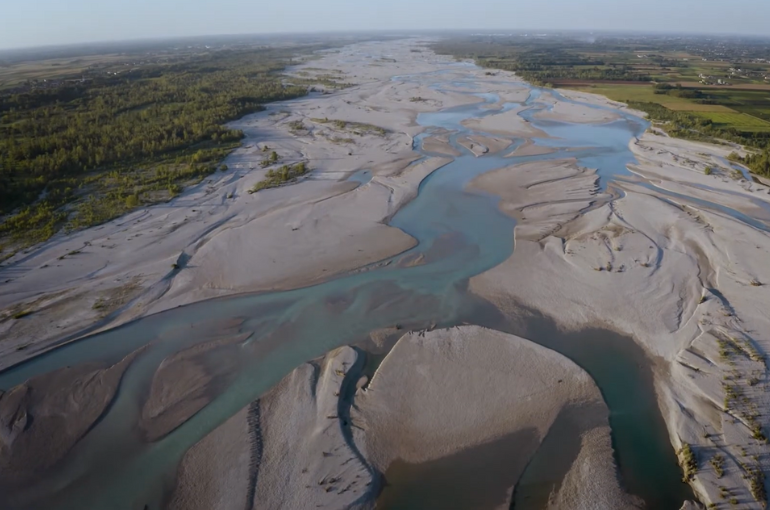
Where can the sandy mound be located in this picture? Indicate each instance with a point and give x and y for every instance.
(437, 402)
(506, 124)
(298, 438)
(185, 383)
(439, 144)
(437, 395)
(574, 112)
(42, 419)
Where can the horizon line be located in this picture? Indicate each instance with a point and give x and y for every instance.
(395, 31)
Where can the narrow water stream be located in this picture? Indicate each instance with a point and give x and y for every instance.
(461, 233)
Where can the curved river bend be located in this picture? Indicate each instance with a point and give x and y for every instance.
(461, 234)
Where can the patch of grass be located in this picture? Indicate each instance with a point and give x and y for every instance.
(339, 140)
(271, 159)
(22, 314)
(718, 463)
(698, 107)
(275, 178)
(735, 120)
(688, 462)
(296, 126)
(637, 92)
(756, 480)
(356, 128)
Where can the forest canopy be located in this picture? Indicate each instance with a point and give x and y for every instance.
(88, 151)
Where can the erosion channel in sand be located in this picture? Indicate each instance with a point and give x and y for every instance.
(246, 344)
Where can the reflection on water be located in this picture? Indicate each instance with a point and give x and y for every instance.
(462, 234)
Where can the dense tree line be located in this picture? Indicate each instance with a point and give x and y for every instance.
(114, 136)
(539, 63)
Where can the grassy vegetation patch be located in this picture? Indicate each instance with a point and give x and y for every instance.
(688, 462)
(281, 176)
(357, 128)
(697, 107)
(735, 120)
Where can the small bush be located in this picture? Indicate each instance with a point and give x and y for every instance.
(718, 463)
(296, 125)
(132, 200)
(758, 434)
(275, 178)
(688, 462)
(756, 480)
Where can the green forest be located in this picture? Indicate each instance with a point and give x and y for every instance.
(84, 153)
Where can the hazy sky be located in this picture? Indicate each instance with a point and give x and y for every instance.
(44, 22)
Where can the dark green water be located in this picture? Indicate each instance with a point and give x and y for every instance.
(461, 233)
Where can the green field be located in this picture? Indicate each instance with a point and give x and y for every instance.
(743, 110)
(740, 121)
(645, 94)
